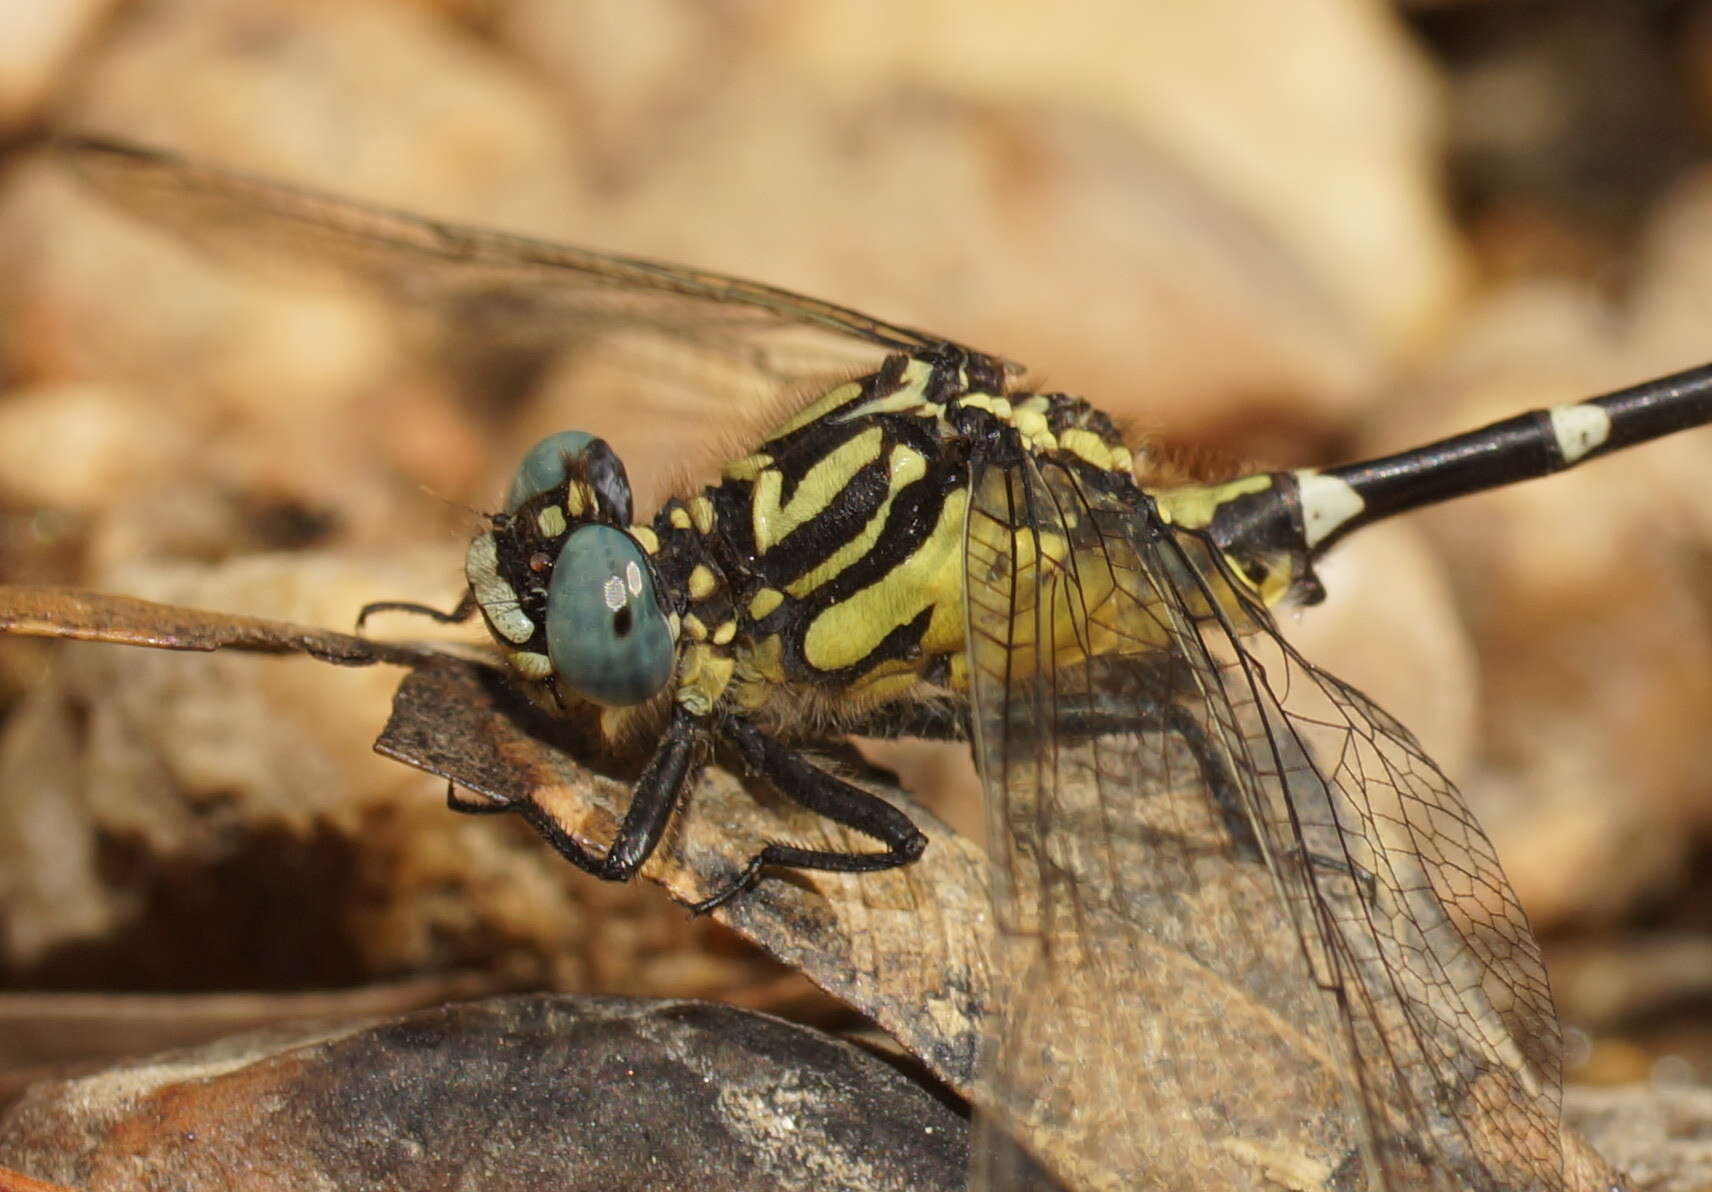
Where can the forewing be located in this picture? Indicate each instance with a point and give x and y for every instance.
(484, 284)
(1249, 935)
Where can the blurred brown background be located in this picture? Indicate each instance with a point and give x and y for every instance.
(1294, 233)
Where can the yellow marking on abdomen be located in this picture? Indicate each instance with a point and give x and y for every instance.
(1193, 506)
(823, 482)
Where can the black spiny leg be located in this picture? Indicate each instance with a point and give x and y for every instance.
(466, 608)
(477, 805)
(655, 794)
(652, 800)
(827, 795)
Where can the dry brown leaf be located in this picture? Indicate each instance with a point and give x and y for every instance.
(31, 611)
(909, 947)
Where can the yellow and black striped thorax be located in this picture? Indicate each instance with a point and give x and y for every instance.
(823, 574)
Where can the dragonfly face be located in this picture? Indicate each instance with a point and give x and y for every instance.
(566, 592)
(1177, 800)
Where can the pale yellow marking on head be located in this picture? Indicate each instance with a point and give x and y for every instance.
(694, 628)
(550, 521)
(1123, 461)
(702, 583)
(578, 499)
(722, 636)
(764, 602)
(531, 665)
(932, 577)
(680, 518)
(646, 538)
(1327, 503)
(906, 466)
(496, 597)
(824, 481)
(1193, 506)
(702, 515)
(1579, 428)
(675, 624)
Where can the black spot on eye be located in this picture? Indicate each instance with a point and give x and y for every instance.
(621, 621)
(534, 599)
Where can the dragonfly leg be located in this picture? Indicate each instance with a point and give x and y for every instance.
(652, 801)
(827, 795)
(465, 609)
(478, 805)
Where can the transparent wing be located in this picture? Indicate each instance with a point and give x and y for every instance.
(488, 285)
(1249, 935)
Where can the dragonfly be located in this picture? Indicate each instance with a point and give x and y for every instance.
(930, 546)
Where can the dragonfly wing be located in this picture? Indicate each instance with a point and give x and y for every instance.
(1239, 944)
(487, 285)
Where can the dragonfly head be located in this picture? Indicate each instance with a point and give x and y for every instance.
(565, 589)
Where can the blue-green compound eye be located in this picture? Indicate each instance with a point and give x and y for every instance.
(543, 469)
(606, 635)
